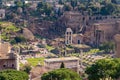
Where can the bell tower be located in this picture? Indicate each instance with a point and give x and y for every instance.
(68, 36)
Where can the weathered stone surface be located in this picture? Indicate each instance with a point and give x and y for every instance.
(117, 45)
(28, 34)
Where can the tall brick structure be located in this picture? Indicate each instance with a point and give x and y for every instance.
(8, 58)
(117, 45)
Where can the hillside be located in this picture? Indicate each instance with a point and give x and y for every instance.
(8, 30)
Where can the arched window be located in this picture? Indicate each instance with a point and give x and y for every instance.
(78, 41)
(83, 18)
(12, 65)
(4, 65)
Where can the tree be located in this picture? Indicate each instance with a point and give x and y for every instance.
(40, 8)
(60, 2)
(1, 3)
(62, 65)
(114, 1)
(19, 3)
(73, 3)
(104, 69)
(44, 8)
(107, 46)
(61, 74)
(95, 9)
(109, 9)
(67, 7)
(13, 41)
(81, 7)
(40, 5)
(47, 9)
(13, 75)
(20, 39)
(26, 68)
(59, 13)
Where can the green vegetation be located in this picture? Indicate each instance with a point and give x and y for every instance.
(35, 61)
(93, 51)
(102, 7)
(8, 29)
(46, 11)
(26, 68)
(61, 74)
(19, 4)
(70, 46)
(13, 75)
(49, 48)
(38, 36)
(21, 64)
(110, 9)
(19, 39)
(104, 69)
(107, 46)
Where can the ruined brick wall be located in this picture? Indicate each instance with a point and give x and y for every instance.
(7, 64)
(117, 45)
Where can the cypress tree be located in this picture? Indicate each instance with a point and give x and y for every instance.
(62, 65)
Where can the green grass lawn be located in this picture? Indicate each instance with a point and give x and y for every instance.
(93, 51)
(35, 61)
(21, 65)
(49, 48)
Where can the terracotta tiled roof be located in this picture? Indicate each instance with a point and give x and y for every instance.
(5, 51)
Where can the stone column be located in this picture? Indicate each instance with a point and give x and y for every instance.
(17, 51)
(96, 35)
(17, 62)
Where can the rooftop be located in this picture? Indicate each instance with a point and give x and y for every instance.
(68, 30)
(5, 51)
(61, 59)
